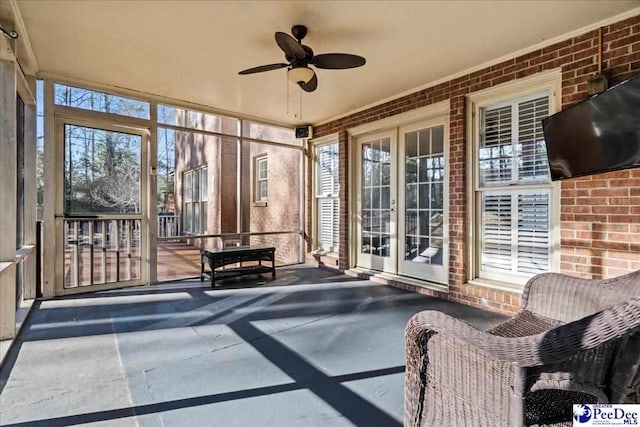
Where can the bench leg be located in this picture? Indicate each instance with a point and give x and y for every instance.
(273, 266)
(201, 271)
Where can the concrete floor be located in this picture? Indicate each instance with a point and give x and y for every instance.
(312, 348)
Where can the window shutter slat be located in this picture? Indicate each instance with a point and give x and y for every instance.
(326, 222)
(532, 153)
(496, 156)
(496, 232)
(533, 233)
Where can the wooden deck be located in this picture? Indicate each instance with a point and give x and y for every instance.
(177, 260)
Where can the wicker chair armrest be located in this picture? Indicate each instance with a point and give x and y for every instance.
(567, 298)
(545, 348)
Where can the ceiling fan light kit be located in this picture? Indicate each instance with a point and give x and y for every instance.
(300, 75)
(299, 57)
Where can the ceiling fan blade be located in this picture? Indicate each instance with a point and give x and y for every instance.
(338, 61)
(311, 85)
(262, 68)
(290, 46)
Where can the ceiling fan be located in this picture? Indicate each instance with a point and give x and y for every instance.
(300, 56)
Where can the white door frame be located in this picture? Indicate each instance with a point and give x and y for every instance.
(60, 121)
(374, 262)
(431, 272)
(438, 111)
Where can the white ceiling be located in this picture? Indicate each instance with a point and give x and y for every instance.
(193, 50)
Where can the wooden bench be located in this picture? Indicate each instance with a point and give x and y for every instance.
(220, 257)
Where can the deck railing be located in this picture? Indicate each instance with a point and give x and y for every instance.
(101, 251)
(169, 226)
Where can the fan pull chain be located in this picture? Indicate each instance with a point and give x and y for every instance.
(300, 118)
(287, 80)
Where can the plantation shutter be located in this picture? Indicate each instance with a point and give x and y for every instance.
(515, 220)
(496, 151)
(327, 196)
(533, 233)
(496, 232)
(516, 232)
(532, 159)
(328, 222)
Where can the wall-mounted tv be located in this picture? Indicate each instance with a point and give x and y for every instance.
(600, 134)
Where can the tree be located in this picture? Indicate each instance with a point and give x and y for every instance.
(102, 168)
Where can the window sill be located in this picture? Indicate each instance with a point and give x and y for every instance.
(322, 252)
(499, 286)
(261, 204)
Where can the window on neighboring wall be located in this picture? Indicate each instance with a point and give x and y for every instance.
(327, 204)
(513, 192)
(262, 180)
(195, 196)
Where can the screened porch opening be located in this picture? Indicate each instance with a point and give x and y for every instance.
(146, 185)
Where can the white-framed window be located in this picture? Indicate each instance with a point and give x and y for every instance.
(326, 194)
(516, 204)
(195, 198)
(261, 173)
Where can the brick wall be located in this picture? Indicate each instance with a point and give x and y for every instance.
(588, 228)
(282, 210)
(220, 155)
(601, 224)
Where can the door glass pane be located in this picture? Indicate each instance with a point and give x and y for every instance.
(424, 164)
(376, 198)
(102, 171)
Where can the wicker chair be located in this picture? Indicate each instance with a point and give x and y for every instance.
(575, 341)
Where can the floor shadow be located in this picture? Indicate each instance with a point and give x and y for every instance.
(154, 408)
(200, 308)
(355, 408)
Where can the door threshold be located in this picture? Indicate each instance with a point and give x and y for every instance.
(390, 279)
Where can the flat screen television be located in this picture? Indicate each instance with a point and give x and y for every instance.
(600, 134)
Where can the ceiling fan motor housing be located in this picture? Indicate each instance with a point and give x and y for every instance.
(299, 32)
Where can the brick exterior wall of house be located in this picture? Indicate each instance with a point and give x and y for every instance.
(220, 155)
(600, 215)
(281, 212)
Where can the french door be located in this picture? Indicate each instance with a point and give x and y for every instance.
(423, 198)
(101, 206)
(403, 204)
(377, 225)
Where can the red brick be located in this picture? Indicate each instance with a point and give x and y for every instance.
(610, 209)
(610, 192)
(625, 218)
(624, 41)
